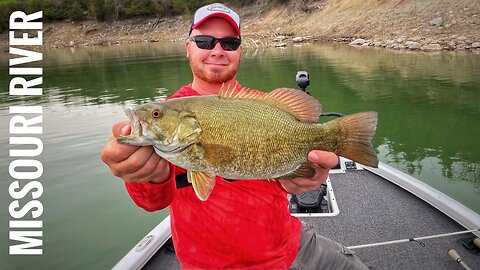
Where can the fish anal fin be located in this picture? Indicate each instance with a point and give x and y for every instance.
(202, 183)
(303, 106)
(305, 170)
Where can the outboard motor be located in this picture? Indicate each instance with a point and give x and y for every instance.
(303, 80)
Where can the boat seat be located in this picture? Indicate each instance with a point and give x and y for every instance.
(309, 202)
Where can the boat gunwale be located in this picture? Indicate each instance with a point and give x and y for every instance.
(437, 199)
(453, 209)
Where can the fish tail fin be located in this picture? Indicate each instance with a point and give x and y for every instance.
(355, 133)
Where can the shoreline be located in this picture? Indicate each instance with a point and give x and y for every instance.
(400, 25)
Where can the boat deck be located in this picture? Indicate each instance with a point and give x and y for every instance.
(372, 210)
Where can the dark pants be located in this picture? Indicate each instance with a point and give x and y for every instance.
(317, 252)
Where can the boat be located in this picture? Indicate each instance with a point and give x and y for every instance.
(390, 219)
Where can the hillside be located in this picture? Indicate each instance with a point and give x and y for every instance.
(400, 24)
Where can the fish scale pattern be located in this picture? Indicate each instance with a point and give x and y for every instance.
(251, 139)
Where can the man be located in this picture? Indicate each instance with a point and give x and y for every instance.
(243, 224)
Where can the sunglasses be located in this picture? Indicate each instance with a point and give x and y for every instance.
(208, 42)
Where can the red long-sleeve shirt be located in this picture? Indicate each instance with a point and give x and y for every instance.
(244, 224)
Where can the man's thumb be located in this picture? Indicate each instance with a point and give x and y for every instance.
(121, 128)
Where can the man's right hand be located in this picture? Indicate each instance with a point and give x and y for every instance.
(133, 163)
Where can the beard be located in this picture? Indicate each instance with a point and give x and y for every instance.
(212, 76)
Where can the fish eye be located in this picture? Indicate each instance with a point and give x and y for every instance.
(156, 113)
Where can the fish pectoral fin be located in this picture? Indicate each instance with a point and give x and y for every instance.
(305, 170)
(202, 183)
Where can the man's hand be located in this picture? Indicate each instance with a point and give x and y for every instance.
(133, 163)
(323, 162)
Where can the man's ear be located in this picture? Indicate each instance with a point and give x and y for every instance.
(187, 47)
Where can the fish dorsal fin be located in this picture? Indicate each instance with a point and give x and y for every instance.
(202, 183)
(303, 106)
(244, 93)
(226, 92)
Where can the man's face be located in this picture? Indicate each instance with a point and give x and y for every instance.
(217, 65)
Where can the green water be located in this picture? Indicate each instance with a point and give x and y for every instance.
(428, 107)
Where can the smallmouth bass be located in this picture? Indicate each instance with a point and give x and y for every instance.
(248, 135)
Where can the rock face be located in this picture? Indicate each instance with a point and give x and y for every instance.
(413, 45)
(452, 43)
(358, 41)
(410, 25)
(431, 47)
(436, 22)
(297, 39)
(281, 40)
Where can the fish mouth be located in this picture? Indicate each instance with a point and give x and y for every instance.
(139, 127)
(139, 134)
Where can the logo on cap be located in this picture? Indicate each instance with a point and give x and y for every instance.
(220, 8)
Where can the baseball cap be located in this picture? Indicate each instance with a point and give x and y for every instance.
(215, 10)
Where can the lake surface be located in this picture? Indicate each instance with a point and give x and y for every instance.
(428, 107)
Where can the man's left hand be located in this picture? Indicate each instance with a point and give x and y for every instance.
(323, 162)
